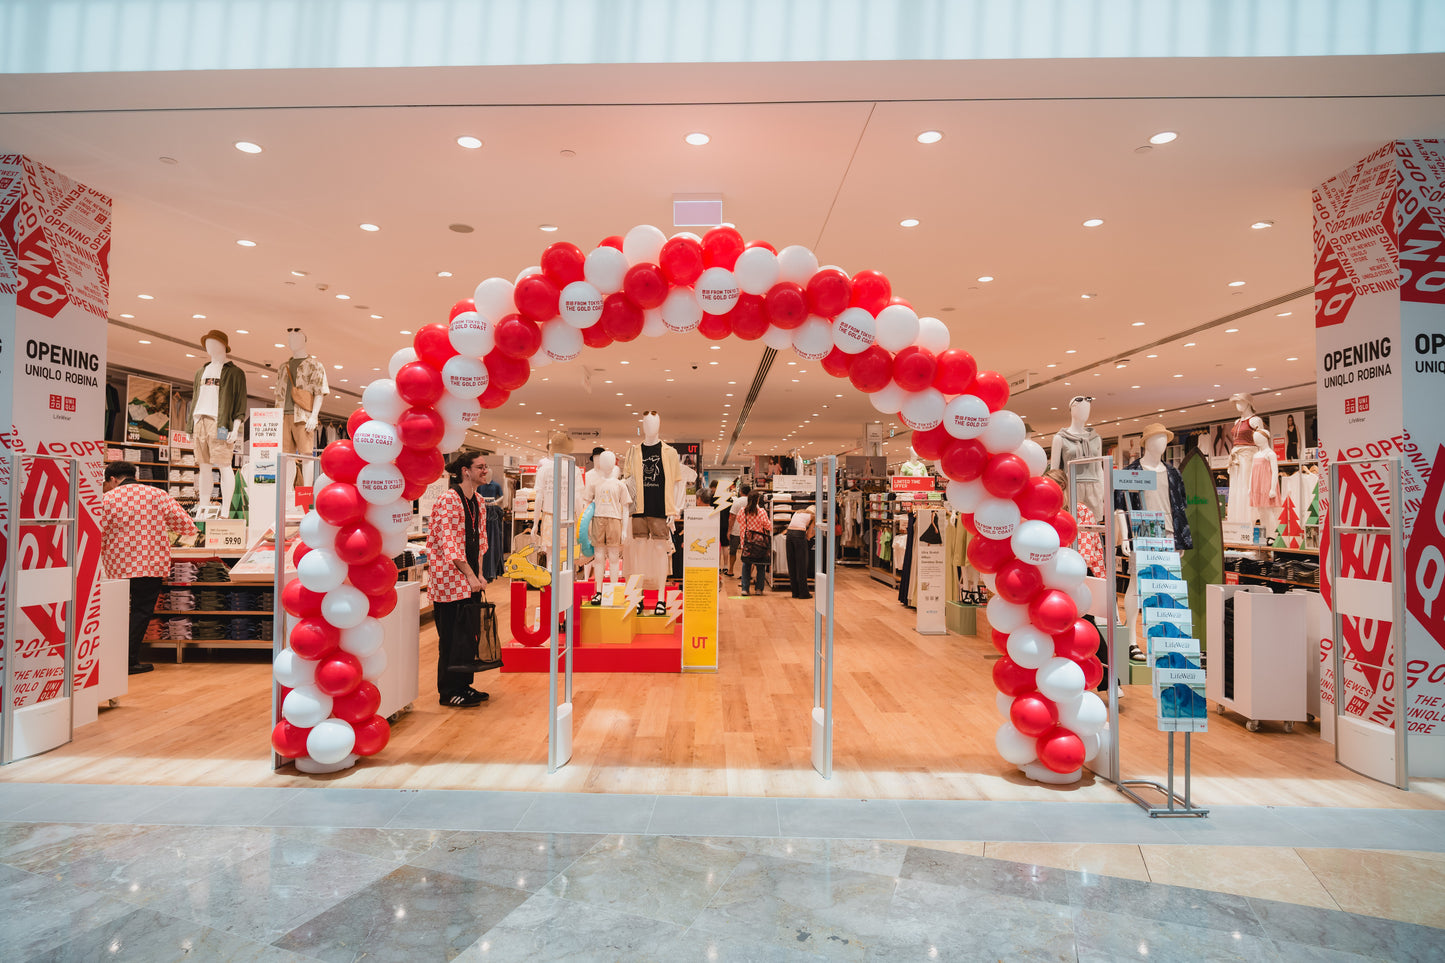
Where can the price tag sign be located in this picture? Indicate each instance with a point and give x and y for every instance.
(226, 535)
(1135, 481)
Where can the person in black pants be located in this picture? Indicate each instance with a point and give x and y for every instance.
(456, 542)
(800, 533)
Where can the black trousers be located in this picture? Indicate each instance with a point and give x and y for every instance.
(144, 590)
(449, 682)
(798, 569)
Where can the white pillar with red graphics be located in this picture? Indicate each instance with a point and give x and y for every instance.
(1380, 349)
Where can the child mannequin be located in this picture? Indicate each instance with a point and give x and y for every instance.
(610, 500)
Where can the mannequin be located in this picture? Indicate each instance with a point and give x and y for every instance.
(655, 479)
(217, 411)
(914, 465)
(1078, 440)
(559, 443)
(1168, 498)
(609, 496)
(1247, 437)
(301, 375)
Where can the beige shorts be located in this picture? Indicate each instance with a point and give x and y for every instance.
(209, 450)
(643, 527)
(605, 532)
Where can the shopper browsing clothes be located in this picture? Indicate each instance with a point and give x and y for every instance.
(755, 530)
(800, 533)
(134, 520)
(455, 543)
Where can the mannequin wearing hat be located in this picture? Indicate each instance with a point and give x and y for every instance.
(1076, 441)
(300, 388)
(1246, 438)
(1167, 497)
(558, 443)
(217, 412)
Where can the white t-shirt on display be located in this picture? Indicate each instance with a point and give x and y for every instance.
(208, 402)
(609, 496)
(1158, 499)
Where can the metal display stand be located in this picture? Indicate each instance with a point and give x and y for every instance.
(826, 494)
(563, 562)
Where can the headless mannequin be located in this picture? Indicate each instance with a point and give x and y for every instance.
(219, 355)
(560, 443)
(914, 465)
(606, 491)
(1078, 440)
(305, 428)
(1247, 437)
(651, 542)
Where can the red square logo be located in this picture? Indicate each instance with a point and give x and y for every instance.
(69, 403)
(1349, 406)
(1356, 707)
(1363, 403)
(55, 403)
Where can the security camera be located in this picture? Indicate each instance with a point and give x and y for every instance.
(322, 287)
(694, 367)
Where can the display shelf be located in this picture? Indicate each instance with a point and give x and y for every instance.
(217, 612)
(201, 555)
(1247, 547)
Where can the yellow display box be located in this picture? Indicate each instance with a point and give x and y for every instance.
(654, 625)
(606, 625)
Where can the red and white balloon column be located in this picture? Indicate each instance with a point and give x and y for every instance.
(647, 285)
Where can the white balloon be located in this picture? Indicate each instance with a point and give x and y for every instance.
(381, 401)
(320, 570)
(471, 334)
(305, 706)
(1083, 597)
(376, 441)
(318, 483)
(463, 376)
(680, 310)
(717, 290)
(996, 517)
(380, 484)
(401, 358)
(1014, 746)
(1033, 455)
(561, 341)
(330, 741)
(316, 532)
(1038, 772)
(889, 399)
(452, 438)
(897, 327)
(966, 496)
(923, 410)
(756, 270)
(344, 607)
(1005, 432)
(581, 303)
(393, 544)
(494, 299)
(1060, 679)
(965, 417)
(1029, 647)
(458, 411)
(394, 516)
(989, 579)
(540, 360)
(1035, 542)
(932, 334)
(1093, 742)
(797, 264)
(373, 665)
(1004, 702)
(643, 244)
(854, 330)
(1006, 616)
(292, 671)
(1065, 570)
(604, 269)
(777, 338)
(363, 639)
(652, 324)
(525, 272)
(813, 339)
(1084, 715)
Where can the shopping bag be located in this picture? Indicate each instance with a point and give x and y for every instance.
(477, 647)
(489, 644)
(756, 546)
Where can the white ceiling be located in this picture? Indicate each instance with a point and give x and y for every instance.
(817, 154)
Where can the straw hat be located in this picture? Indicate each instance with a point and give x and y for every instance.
(1157, 429)
(217, 335)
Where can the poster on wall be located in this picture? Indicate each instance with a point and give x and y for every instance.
(1288, 431)
(181, 419)
(690, 454)
(147, 410)
(265, 449)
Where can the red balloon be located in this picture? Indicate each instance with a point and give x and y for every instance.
(562, 263)
(966, 520)
(371, 736)
(963, 459)
(1005, 475)
(903, 301)
(787, 304)
(829, 292)
(749, 317)
(338, 674)
(681, 260)
(721, 247)
(461, 307)
(763, 244)
(288, 740)
(1033, 715)
(872, 369)
(645, 286)
(1040, 499)
(359, 705)
(595, 337)
(419, 428)
(1066, 526)
(715, 327)
(1093, 671)
(992, 388)
(300, 601)
(376, 575)
(506, 372)
(1078, 642)
(420, 385)
(312, 638)
(433, 344)
(914, 368)
(930, 444)
(1052, 611)
(423, 465)
(358, 543)
(340, 504)
(382, 603)
(340, 462)
(1018, 581)
(518, 337)
(299, 552)
(989, 554)
(358, 418)
(622, 319)
(871, 291)
(1013, 679)
(956, 371)
(837, 363)
(535, 298)
(1060, 750)
(999, 640)
(494, 397)
(413, 490)
(611, 240)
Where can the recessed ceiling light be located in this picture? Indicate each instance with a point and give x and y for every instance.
(1190, 344)
(1231, 330)
(337, 367)
(1284, 314)
(246, 147)
(343, 297)
(1163, 137)
(1121, 364)
(469, 142)
(1133, 386)
(376, 317)
(444, 274)
(1071, 351)
(549, 228)
(697, 138)
(619, 394)
(146, 297)
(199, 317)
(1251, 369)
(1088, 297)
(1151, 356)
(1291, 359)
(670, 379)
(908, 222)
(369, 227)
(714, 347)
(930, 137)
(1236, 284)
(189, 355)
(245, 243)
(127, 315)
(1177, 376)
(143, 341)
(986, 278)
(403, 332)
(280, 346)
(298, 274)
(1261, 225)
(1046, 366)
(1094, 222)
(712, 362)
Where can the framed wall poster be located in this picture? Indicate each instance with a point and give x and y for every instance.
(147, 410)
(690, 453)
(181, 419)
(1289, 431)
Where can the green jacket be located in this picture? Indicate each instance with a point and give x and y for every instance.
(231, 406)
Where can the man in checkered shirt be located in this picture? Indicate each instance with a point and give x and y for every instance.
(134, 520)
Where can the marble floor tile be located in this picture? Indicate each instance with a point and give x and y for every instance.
(42, 847)
(412, 913)
(395, 845)
(995, 877)
(864, 855)
(157, 938)
(714, 816)
(1101, 859)
(838, 818)
(580, 812)
(1369, 828)
(661, 877)
(217, 806)
(16, 796)
(1244, 826)
(1269, 872)
(459, 810)
(1368, 936)
(1287, 952)
(40, 913)
(1099, 823)
(1117, 936)
(1438, 857)
(525, 861)
(83, 803)
(940, 922)
(1419, 901)
(954, 819)
(147, 868)
(338, 807)
(1150, 901)
(968, 847)
(548, 928)
(698, 945)
(1385, 872)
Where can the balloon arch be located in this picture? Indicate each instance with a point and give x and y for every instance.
(648, 284)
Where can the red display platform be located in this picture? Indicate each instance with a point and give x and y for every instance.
(647, 652)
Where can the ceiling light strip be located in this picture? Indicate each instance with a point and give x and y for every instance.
(764, 366)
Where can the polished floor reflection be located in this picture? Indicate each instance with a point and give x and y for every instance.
(156, 873)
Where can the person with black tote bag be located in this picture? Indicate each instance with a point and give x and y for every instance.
(456, 541)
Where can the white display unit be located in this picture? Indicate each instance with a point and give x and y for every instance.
(1268, 675)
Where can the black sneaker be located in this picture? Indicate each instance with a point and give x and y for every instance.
(463, 700)
(479, 696)
(137, 668)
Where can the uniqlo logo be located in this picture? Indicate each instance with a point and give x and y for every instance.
(1349, 406)
(69, 403)
(56, 403)
(1362, 403)
(1357, 706)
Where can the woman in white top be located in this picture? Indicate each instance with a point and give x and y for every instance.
(800, 533)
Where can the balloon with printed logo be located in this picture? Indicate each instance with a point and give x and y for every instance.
(507, 372)
(787, 304)
(581, 305)
(680, 311)
(371, 736)
(966, 417)
(382, 400)
(963, 459)
(644, 285)
(872, 368)
(464, 377)
(420, 428)
(756, 270)
(289, 741)
(996, 517)
(536, 299)
(311, 637)
(604, 269)
(621, 318)
(375, 441)
(357, 543)
(813, 339)
(358, 705)
(897, 327)
(829, 292)
(419, 385)
(992, 387)
(563, 263)
(717, 291)
(854, 330)
(340, 461)
(471, 334)
(433, 344)
(561, 341)
(923, 410)
(681, 261)
(494, 397)
(956, 371)
(870, 291)
(390, 517)
(914, 368)
(1061, 750)
(1035, 543)
(643, 244)
(494, 299)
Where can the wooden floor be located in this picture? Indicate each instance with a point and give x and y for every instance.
(914, 719)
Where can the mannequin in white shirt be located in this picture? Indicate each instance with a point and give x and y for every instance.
(560, 443)
(298, 434)
(206, 405)
(610, 500)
